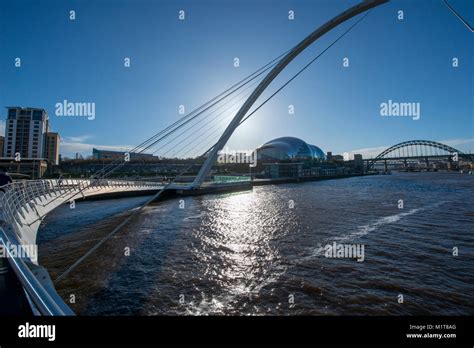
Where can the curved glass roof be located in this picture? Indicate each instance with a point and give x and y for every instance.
(289, 148)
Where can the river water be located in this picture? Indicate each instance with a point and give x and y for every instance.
(262, 252)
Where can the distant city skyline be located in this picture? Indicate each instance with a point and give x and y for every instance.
(175, 63)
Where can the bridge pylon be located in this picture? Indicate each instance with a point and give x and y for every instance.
(293, 53)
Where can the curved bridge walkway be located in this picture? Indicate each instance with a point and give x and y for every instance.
(23, 205)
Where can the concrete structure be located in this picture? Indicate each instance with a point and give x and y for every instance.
(358, 163)
(52, 147)
(336, 158)
(25, 132)
(32, 167)
(358, 160)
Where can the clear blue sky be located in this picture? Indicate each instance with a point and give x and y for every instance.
(187, 62)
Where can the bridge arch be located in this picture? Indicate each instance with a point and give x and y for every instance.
(407, 144)
(292, 54)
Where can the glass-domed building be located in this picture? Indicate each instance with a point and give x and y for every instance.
(289, 149)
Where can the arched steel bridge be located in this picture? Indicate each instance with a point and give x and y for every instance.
(417, 149)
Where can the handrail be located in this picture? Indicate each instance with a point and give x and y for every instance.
(46, 303)
(20, 198)
(26, 194)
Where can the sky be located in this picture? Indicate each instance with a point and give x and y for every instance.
(187, 62)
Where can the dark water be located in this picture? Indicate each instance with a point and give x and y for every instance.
(250, 253)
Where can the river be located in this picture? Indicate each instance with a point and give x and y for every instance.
(262, 252)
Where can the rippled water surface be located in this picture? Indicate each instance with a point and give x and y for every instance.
(251, 253)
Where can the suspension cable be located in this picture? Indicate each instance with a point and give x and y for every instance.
(157, 195)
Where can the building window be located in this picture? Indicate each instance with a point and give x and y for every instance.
(38, 115)
(11, 114)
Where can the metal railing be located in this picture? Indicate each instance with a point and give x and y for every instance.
(44, 301)
(23, 195)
